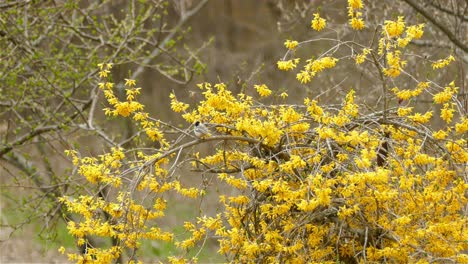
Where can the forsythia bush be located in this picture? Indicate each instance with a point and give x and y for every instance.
(312, 183)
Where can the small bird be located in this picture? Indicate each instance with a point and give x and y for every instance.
(201, 130)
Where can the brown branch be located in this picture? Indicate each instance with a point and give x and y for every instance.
(184, 146)
(431, 18)
(15, 4)
(448, 11)
(39, 131)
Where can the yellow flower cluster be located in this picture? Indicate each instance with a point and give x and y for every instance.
(407, 94)
(263, 90)
(395, 64)
(315, 66)
(443, 62)
(318, 23)
(128, 227)
(446, 94)
(421, 118)
(360, 58)
(287, 65)
(304, 182)
(355, 16)
(394, 39)
(290, 44)
(130, 106)
(177, 106)
(393, 29)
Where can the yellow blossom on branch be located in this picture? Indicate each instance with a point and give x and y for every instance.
(290, 44)
(130, 82)
(355, 4)
(421, 118)
(442, 62)
(360, 58)
(287, 65)
(318, 23)
(357, 23)
(394, 28)
(262, 90)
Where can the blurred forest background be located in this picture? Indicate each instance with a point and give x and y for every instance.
(49, 51)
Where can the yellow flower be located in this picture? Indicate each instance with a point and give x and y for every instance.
(404, 111)
(357, 23)
(443, 96)
(441, 134)
(462, 126)
(447, 112)
(355, 4)
(130, 82)
(103, 73)
(442, 62)
(263, 90)
(396, 65)
(394, 28)
(418, 118)
(402, 42)
(415, 32)
(360, 58)
(61, 250)
(320, 64)
(318, 23)
(290, 44)
(177, 106)
(304, 77)
(287, 65)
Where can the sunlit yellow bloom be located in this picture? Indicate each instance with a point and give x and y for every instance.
(103, 73)
(415, 32)
(404, 111)
(403, 42)
(318, 23)
(320, 64)
(419, 118)
(287, 65)
(446, 94)
(395, 64)
(447, 112)
(356, 4)
(394, 28)
(177, 106)
(406, 94)
(262, 90)
(457, 150)
(130, 82)
(304, 76)
(360, 58)
(290, 44)
(441, 134)
(61, 250)
(462, 126)
(357, 23)
(442, 62)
